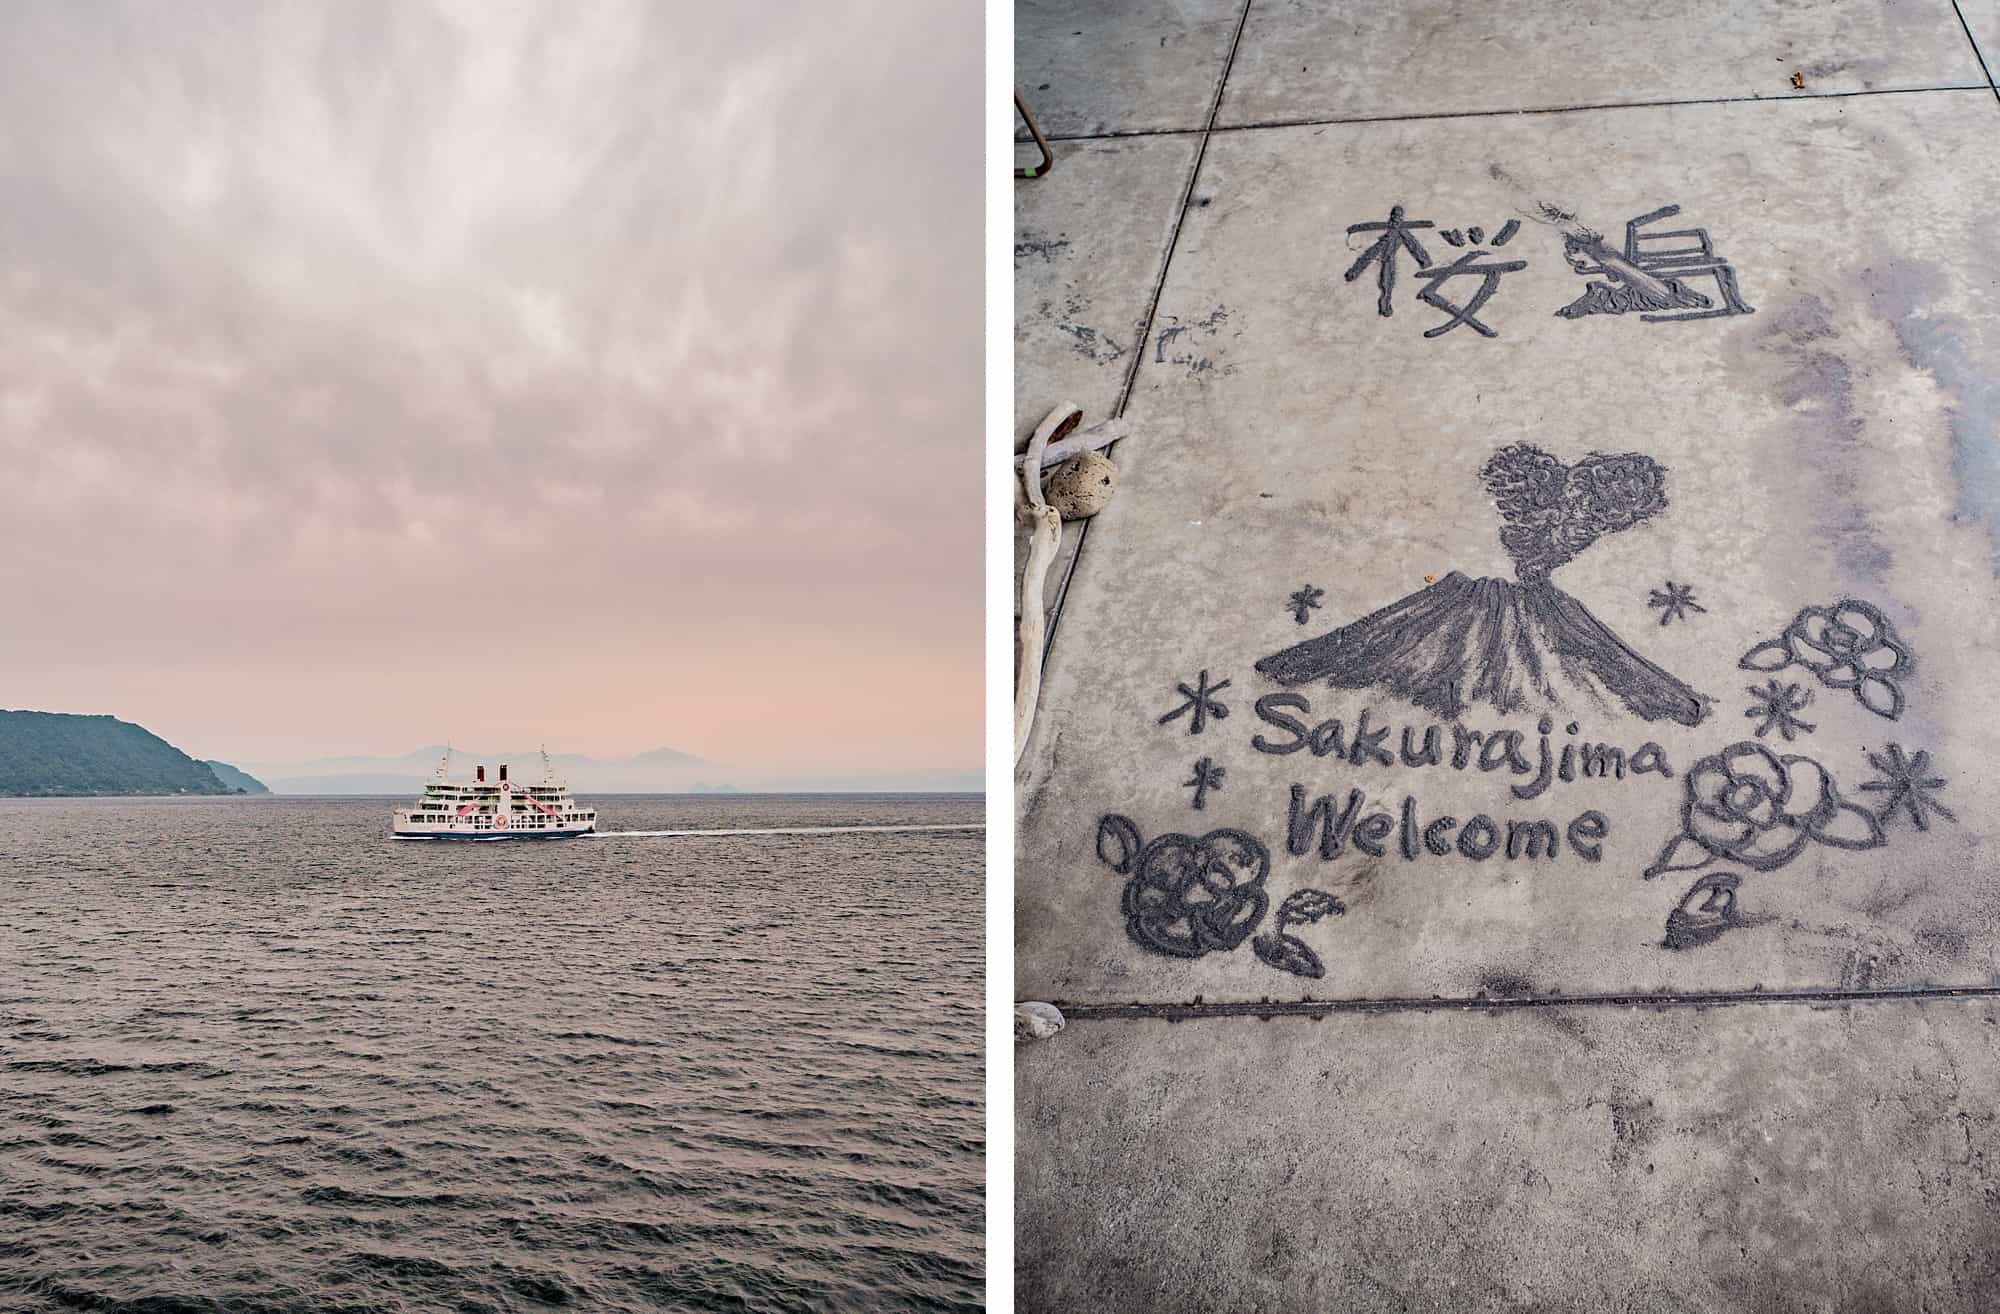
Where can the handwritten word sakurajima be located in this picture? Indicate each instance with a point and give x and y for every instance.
(1500, 747)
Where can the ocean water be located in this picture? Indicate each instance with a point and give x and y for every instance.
(256, 1056)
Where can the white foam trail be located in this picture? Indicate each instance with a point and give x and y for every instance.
(782, 830)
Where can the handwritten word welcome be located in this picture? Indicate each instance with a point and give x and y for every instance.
(1478, 839)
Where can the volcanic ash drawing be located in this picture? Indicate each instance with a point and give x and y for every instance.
(1847, 644)
(1188, 894)
(1750, 806)
(1704, 912)
(1288, 953)
(1654, 273)
(1512, 644)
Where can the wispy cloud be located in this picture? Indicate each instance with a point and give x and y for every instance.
(608, 374)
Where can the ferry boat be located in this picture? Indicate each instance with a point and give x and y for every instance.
(493, 810)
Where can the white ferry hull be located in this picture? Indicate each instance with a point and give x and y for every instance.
(480, 837)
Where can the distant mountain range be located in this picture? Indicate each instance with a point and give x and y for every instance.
(45, 754)
(660, 771)
(59, 754)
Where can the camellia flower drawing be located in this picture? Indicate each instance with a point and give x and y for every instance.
(1747, 805)
(1846, 645)
(1187, 895)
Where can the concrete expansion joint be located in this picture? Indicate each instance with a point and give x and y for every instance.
(1340, 120)
(1268, 1010)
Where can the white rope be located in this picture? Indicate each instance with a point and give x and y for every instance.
(1046, 533)
(1094, 439)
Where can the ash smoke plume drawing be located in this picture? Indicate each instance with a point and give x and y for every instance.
(1512, 644)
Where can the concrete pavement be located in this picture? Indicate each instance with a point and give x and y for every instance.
(1556, 562)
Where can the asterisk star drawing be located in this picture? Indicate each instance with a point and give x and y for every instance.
(1207, 776)
(1201, 701)
(1778, 705)
(1304, 601)
(1907, 786)
(1674, 601)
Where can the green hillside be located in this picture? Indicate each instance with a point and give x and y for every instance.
(52, 753)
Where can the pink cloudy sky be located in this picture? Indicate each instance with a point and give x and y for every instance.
(609, 375)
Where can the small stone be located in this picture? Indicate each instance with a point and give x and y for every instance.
(1035, 1021)
(1081, 486)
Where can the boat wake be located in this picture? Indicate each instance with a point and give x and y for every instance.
(775, 830)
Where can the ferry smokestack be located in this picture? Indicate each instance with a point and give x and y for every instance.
(481, 778)
(503, 771)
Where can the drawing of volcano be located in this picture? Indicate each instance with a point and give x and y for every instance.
(1512, 644)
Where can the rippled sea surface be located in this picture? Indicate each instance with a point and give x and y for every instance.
(257, 1056)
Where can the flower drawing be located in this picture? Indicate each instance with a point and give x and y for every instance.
(1188, 895)
(1748, 805)
(1704, 912)
(1846, 645)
